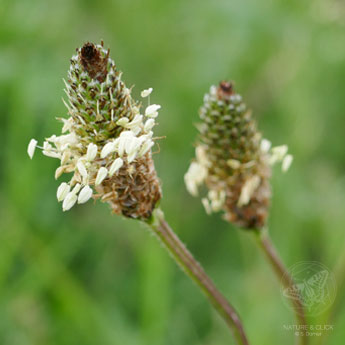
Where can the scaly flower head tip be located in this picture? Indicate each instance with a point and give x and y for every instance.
(106, 141)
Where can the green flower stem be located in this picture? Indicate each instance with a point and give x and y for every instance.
(332, 314)
(265, 243)
(193, 269)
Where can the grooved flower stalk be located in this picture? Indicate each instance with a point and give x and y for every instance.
(193, 269)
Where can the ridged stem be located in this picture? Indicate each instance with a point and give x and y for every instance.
(333, 313)
(192, 268)
(265, 243)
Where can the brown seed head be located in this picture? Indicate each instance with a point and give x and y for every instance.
(134, 191)
(93, 62)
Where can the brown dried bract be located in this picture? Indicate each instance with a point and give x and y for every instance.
(134, 190)
(254, 214)
(93, 62)
(225, 89)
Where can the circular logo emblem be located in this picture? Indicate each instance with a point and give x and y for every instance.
(313, 285)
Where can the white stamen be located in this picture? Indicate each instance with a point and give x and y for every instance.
(82, 169)
(107, 149)
(124, 140)
(62, 191)
(145, 148)
(135, 122)
(101, 175)
(122, 122)
(248, 190)
(287, 162)
(136, 130)
(132, 145)
(76, 188)
(91, 152)
(116, 165)
(152, 110)
(278, 154)
(65, 157)
(146, 92)
(32, 147)
(59, 171)
(194, 177)
(149, 125)
(207, 206)
(69, 201)
(52, 154)
(201, 156)
(131, 156)
(217, 199)
(67, 123)
(84, 195)
(265, 145)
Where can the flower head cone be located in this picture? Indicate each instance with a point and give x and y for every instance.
(233, 160)
(106, 141)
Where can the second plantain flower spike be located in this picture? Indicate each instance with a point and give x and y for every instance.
(107, 145)
(233, 160)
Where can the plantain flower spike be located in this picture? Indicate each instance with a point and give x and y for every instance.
(106, 142)
(233, 160)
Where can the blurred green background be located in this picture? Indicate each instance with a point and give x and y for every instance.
(86, 277)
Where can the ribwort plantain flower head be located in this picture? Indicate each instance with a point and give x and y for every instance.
(233, 160)
(106, 142)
